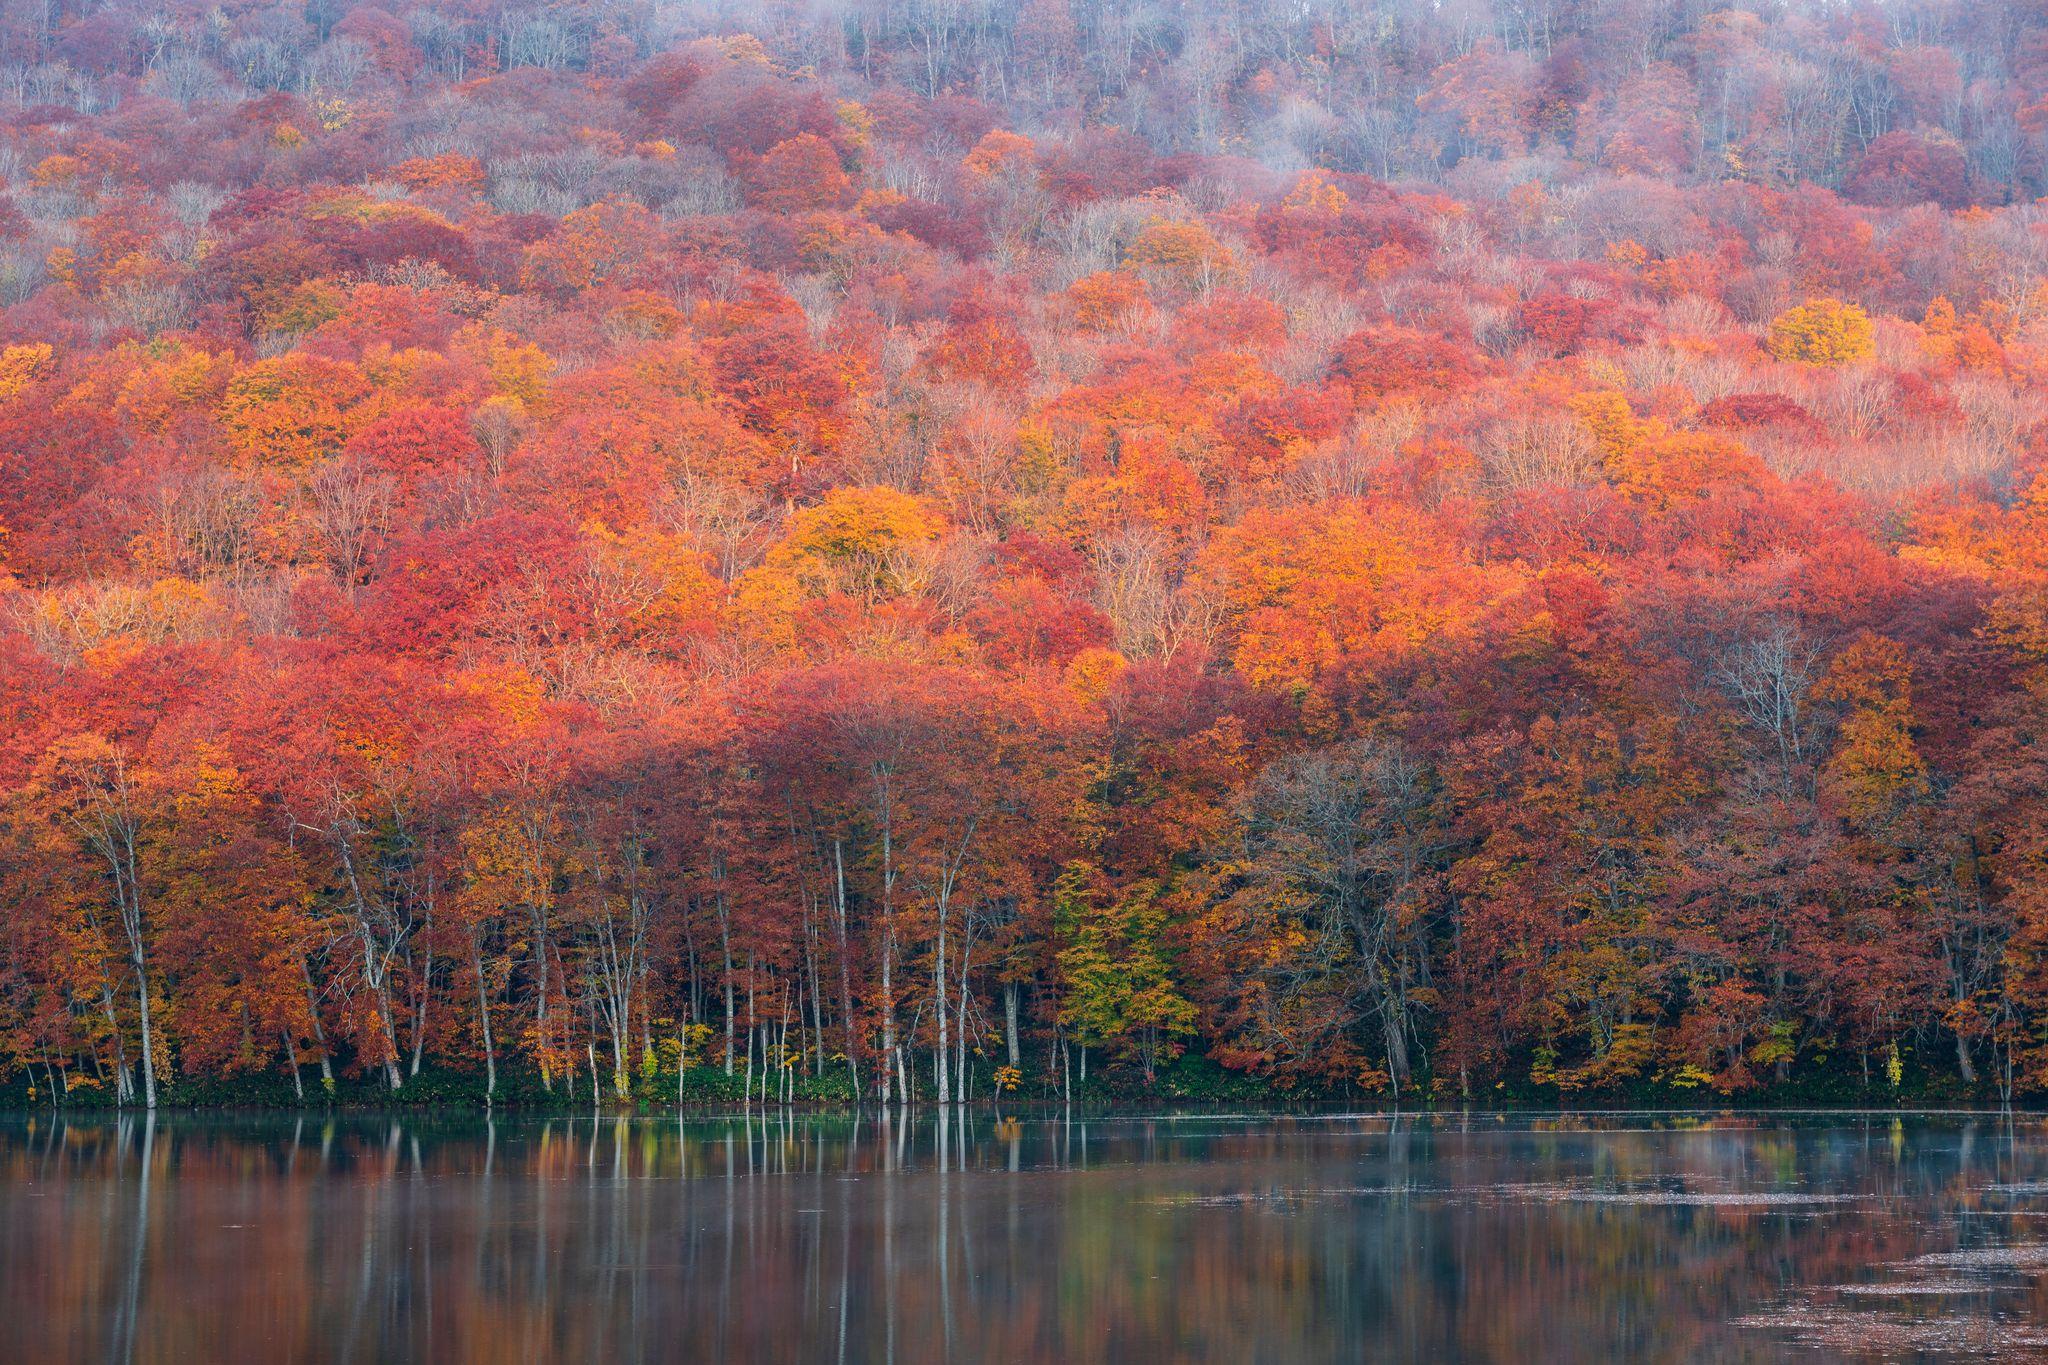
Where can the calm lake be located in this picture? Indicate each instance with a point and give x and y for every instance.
(1229, 1237)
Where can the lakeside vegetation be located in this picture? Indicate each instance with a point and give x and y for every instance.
(1189, 1079)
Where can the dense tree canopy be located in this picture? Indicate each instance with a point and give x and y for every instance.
(1411, 550)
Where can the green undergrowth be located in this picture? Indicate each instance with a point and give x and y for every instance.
(1189, 1079)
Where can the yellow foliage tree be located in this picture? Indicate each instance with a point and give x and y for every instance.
(858, 542)
(1183, 251)
(1876, 766)
(21, 366)
(292, 411)
(1300, 589)
(1821, 332)
(1108, 301)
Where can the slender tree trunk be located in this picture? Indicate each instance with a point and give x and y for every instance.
(391, 1074)
(319, 1030)
(1010, 994)
(960, 1033)
(148, 1034)
(949, 877)
(419, 1016)
(124, 1081)
(885, 803)
(376, 964)
(483, 1019)
(817, 1005)
(696, 974)
(725, 946)
(132, 921)
(783, 1070)
(646, 1012)
(889, 1049)
(537, 906)
(426, 979)
(845, 968)
(940, 1057)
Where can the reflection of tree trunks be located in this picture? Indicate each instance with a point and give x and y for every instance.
(131, 1299)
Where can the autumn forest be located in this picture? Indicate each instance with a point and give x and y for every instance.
(586, 551)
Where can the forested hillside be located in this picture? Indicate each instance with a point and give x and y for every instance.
(1407, 550)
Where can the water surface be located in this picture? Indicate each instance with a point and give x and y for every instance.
(1041, 1238)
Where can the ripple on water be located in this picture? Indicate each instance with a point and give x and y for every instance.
(2024, 1256)
(1862, 1332)
(1274, 1198)
(1676, 1198)
(1904, 1289)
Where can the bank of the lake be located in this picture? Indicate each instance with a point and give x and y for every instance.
(1190, 1079)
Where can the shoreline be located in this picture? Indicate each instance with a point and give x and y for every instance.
(1111, 1110)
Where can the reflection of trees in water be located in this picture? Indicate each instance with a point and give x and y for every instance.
(962, 1237)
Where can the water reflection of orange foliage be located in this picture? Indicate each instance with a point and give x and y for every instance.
(1029, 1239)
